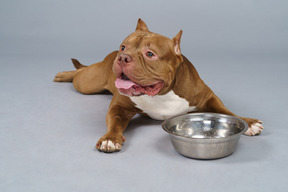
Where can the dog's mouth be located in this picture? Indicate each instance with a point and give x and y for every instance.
(130, 88)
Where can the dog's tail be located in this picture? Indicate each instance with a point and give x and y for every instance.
(77, 64)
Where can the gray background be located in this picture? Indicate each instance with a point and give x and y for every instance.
(48, 130)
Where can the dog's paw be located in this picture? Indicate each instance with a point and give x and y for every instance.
(66, 76)
(255, 128)
(110, 144)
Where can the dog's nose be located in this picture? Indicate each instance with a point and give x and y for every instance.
(124, 59)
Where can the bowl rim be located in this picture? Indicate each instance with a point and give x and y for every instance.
(204, 113)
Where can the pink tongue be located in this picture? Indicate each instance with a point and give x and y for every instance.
(123, 84)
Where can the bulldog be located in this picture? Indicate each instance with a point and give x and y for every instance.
(150, 76)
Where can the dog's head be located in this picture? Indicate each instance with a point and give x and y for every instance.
(147, 62)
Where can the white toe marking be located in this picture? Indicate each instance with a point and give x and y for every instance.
(110, 146)
(257, 128)
(254, 129)
(103, 145)
(118, 146)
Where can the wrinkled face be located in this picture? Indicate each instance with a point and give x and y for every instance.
(146, 63)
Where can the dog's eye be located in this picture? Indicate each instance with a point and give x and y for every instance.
(123, 47)
(150, 54)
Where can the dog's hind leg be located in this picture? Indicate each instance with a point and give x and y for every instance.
(92, 79)
(67, 76)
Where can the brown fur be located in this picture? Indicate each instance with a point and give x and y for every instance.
(174, 69)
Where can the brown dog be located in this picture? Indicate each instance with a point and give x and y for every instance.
(148, 75)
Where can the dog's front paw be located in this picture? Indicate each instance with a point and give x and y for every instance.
(110, 143)
(255, 128)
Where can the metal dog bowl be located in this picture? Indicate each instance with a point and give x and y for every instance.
(205, 135)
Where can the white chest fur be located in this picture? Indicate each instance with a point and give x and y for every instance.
(162, 107)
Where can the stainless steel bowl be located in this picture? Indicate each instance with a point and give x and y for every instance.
(205, 135)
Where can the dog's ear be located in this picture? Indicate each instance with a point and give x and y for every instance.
(141, 25)
(176, 42)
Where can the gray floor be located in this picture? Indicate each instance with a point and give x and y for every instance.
(48, 130)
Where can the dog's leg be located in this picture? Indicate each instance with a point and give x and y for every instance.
(117, 119)
(87, 80)
(214, 104)
(66, 76)
(92, 79)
